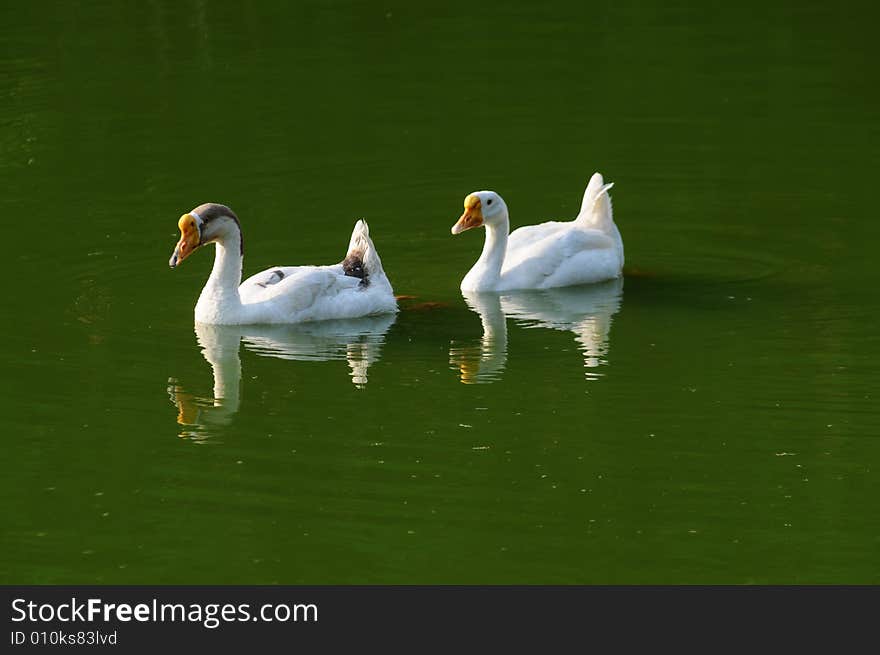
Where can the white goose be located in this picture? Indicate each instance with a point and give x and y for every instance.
(553, 254)
(355, 287)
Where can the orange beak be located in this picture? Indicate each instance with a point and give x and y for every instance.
(472, 216)
(190, 239)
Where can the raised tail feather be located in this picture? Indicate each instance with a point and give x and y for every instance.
(362, 260)
(596, 206)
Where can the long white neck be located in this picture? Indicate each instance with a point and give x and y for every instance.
(486, 273)
(220, 301)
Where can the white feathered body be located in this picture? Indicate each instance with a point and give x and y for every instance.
(296, 294)
(558, 253)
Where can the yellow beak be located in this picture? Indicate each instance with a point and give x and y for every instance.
(472, 216)
(190, 239)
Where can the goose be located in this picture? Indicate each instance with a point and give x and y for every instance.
(553, 254)
(355, 287)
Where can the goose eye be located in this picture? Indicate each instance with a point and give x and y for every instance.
(489, 201)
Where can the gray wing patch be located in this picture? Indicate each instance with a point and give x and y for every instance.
(276, 277)
(353, 265)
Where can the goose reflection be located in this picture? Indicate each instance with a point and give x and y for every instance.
(358, 341)
(485, 361)
(586, 311)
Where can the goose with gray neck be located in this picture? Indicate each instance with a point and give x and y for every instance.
(355, 287)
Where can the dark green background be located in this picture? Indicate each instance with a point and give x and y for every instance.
(730, 435)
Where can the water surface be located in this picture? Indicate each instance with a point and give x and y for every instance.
(710, 419)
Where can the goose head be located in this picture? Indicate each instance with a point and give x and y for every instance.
(207, 223)
(480, 208)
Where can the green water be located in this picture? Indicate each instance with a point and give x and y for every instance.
(711, 420)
